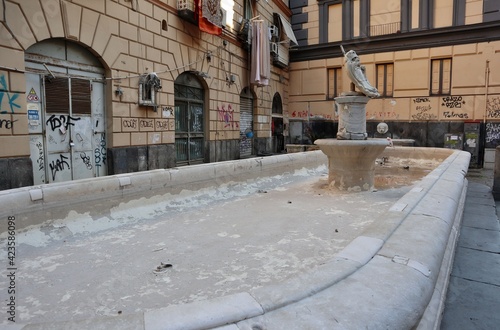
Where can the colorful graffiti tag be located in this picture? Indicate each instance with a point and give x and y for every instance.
(8, 102)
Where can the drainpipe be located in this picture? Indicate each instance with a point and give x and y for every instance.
(486, 84)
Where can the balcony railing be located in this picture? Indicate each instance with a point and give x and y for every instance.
(382, 29)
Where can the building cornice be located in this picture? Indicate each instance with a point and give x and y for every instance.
(448, 36)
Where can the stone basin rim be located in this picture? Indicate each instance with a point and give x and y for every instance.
(336, 142)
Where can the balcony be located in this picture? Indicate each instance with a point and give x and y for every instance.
(383, 29)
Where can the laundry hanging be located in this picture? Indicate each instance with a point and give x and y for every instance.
(209, 16)
(260, 65)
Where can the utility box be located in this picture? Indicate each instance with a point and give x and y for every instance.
(454, 141)
(473, 143)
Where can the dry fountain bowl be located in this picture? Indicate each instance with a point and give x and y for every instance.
(393, 275)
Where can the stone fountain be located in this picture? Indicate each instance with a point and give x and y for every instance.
(351, 157)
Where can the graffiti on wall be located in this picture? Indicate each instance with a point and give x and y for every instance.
(8, 103)
(168, 112)
(418, 100)
(226, 116)
(455, 115)
(423, 109)
(6, 124)
(41, 156)
(100, 152)
(130, 123)
(454, 103)
(61, 122)
(146, 124)
(492, 134)
(86, 160)
(164, 125)
(57, 165)
(308, 114)
(493, 107)
(382, 115)
(245, 143)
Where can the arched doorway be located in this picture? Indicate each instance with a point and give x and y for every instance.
(277, 126)
(246, 123)
(66, 118)
(189, 120)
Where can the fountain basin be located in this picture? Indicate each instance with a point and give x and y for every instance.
(351, 163)
(384, 278)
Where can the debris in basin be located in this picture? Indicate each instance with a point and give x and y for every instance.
(162, 268)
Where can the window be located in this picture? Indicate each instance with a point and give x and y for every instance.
(277, 106)
(57, 94)
(385, 78)
(443, 13)
(385, 18)
(334, 83)
(441, 76)
(335, 22)
(491, 10)
(247, 9)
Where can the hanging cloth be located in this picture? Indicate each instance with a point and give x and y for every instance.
(209, 16)
(260, 65)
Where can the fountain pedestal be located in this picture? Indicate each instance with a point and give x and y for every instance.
(352, 116)
(351, 163)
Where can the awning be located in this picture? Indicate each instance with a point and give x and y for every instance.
(287, 27)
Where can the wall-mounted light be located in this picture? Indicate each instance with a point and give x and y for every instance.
(119, 91)
(231, 79)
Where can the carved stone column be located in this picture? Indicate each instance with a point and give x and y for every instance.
(352, 117)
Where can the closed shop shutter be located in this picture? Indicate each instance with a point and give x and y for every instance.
(246, 127)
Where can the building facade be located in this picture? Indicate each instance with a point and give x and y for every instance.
(91, 88)
(98, 87)
(436, 64)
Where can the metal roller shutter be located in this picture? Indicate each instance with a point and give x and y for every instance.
(246, 127)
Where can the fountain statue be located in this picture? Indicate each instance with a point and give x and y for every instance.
(357, 74)
(351, 157)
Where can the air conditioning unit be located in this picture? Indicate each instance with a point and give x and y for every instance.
(281, 59)
(274, 31)
(245, 34)
(274, 48)
(223, 14)
(185, 10)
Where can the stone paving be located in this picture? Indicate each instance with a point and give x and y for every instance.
(473, 295)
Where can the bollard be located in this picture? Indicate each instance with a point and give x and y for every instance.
(496, 175)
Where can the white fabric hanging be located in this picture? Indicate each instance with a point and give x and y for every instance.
(260, 65)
